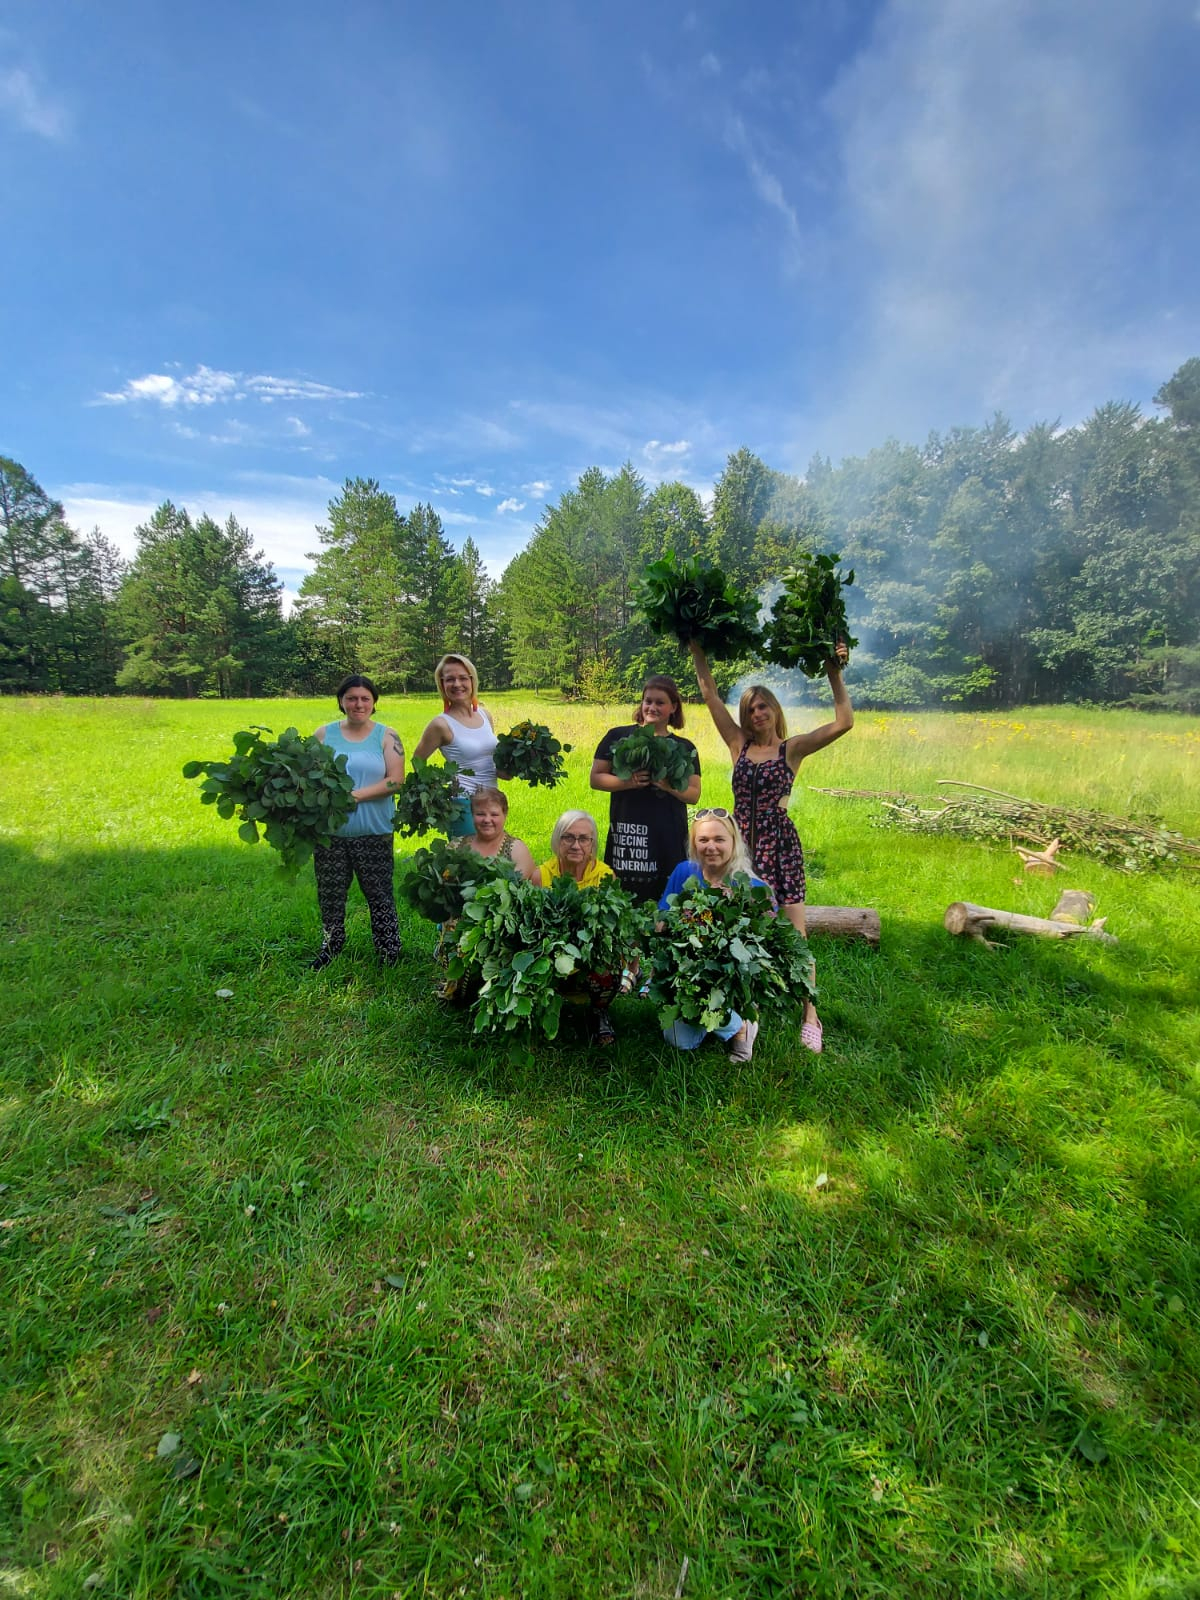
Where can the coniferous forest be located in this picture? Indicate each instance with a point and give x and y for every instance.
(993, 568)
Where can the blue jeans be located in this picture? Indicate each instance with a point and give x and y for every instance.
(690, 1035)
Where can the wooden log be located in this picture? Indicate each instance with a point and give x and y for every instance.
(976, 922)
(1074, 906)
(844, 922)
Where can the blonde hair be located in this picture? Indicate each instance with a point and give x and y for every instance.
(759, 691)
(568, 820)
(740, 860)
(463, 661)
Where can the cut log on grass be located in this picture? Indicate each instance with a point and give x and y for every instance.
(976, 922)
(844, 922)
(1074, 906)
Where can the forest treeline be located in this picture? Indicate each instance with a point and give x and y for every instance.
(993, 568)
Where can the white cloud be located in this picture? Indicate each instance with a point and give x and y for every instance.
(455, 485)
(996, 171)
(510, 505)
(26, 104)
(539, 486)
(208, 386)
(300, 429)
(282, 522)
(282, 512)
(655, 449)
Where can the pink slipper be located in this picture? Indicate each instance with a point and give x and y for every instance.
(812, 1037)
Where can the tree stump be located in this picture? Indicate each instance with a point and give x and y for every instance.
(844, 922)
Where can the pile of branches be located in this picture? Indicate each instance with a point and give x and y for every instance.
(1129, 844)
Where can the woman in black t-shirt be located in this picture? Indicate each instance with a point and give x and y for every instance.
(647, 822)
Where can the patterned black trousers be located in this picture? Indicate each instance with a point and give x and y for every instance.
(368, 857)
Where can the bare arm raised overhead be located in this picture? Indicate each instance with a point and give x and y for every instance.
(806, 744)
(717, 709)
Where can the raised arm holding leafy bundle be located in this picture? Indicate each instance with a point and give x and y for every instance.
(765, 760)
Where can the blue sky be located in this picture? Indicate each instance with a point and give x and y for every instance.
(472, 249)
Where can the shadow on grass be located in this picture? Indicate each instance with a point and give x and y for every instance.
(964, 1363)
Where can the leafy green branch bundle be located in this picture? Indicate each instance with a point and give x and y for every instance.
(809, 617)
(439, 878)
(990, 815)
(723, 950)
(532, 753)
(294, 788)
(428, 799)
(698, 602)
(664, 758)
(530, 948)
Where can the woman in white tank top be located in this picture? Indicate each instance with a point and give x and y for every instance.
(463, 733)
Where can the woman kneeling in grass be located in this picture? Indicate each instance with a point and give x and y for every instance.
(491, 838)
(574, 848)
(716, 851)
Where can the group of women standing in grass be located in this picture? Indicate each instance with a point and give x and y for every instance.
(651, 849)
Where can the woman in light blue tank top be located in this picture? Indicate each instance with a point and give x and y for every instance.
(363, 847)
(463, 733)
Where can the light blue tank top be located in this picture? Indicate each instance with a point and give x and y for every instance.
(364, 763)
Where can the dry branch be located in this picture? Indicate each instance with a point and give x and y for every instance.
(991, 814)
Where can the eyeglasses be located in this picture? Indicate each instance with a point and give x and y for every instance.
(577, 838)
(714, 811)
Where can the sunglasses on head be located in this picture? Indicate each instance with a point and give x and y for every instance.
(715, 811)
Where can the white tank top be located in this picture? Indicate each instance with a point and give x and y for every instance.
(473, 748)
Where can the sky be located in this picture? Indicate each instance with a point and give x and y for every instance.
(472, 249)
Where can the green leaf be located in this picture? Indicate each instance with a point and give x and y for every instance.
(169, 1443)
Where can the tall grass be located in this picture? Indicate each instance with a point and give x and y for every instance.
(305, 1290)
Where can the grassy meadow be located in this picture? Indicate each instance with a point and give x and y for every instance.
(306, 1290)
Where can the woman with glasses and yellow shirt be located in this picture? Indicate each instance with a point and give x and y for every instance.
(574, 850)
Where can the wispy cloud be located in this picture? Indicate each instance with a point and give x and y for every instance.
(1000, 200)
(766, 183)
(455, 485)
(510, 505)
(24, 102)
(539, 486)
(208, 386)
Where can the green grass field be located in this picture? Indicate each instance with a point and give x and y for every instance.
(308, 1291)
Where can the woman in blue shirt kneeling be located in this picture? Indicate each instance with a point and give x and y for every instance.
(716, 850)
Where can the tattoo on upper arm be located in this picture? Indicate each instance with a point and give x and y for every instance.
(397, 745)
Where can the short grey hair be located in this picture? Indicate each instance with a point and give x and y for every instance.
(568, 820)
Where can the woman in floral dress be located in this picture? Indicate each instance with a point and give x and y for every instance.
(765, 763)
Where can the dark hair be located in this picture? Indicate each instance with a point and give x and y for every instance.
(356, 680)
(669, 687)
